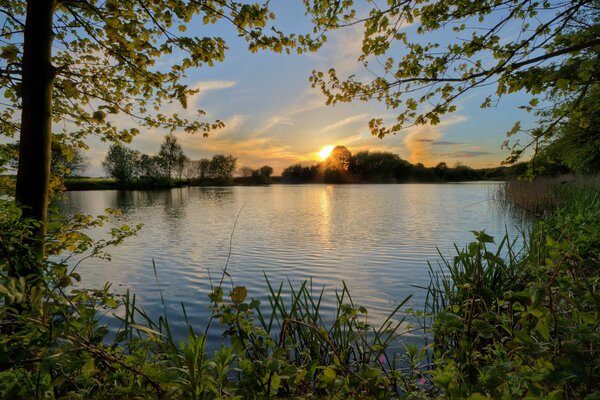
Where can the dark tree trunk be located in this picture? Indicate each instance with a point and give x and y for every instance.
(33, 175)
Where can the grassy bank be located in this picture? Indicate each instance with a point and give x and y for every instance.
(517, 322)
(522, 322)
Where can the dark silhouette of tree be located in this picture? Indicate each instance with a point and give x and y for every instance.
(246, 172)
(121, 163)
(221, 168)
(266, 171)
(300, 174)
(203, 168)
(171, 156)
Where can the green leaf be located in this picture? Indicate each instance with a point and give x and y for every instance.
(88, 368)
(327, 375)
(238, 294)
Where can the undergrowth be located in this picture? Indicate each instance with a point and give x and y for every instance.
(513, 319)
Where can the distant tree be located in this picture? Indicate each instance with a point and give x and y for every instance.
(171, 155)
(222, 167)
(441, 169)
(374, 166)
(121, 163)
(404, 171)
(66, 160)
(300, 174)
(191, 169)
(262, 175)
(266, 171)
(336, 165)
(204, 168)
(246, 172)
(149, 166)
(180, 165)
(339, 158)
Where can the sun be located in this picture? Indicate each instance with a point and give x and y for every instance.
(325, 152)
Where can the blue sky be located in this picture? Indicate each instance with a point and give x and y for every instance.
(274, 117)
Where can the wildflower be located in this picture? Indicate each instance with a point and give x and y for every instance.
(381, 359)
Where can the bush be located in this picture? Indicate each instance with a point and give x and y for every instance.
(524, 325)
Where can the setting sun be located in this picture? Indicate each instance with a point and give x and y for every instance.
(325, 152)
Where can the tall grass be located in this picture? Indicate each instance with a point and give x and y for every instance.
(544, 195)
(523, 322)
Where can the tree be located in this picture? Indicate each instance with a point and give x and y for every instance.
(578, 142)
(543, 48)
(121, 163)
(66, 160)
(222, 167)
(336, 165)
(262, 176)
(86, 63)
(171, 155)
(266, 171)
(148, 166)
(246, 172)
(300, 174)
(203, 168)
(191, 169)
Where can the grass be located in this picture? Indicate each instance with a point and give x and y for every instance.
(545, 195)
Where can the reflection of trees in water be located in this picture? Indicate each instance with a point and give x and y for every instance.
(222, 194)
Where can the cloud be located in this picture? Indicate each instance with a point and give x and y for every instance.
(446, 143)
(206, 86)
(419, 139)
(465, 154)
(344, 122)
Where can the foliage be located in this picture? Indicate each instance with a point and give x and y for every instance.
(261, 176)
(121, 163)
(106, 56)
(66, 160)
(447, 49)
(545, 195)
(171, 156)
(56, 344)
(523, 325)
(578, 139)
(300, 174)
(221, 168)
(385, 167)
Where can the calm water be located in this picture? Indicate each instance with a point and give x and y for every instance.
(376, 238)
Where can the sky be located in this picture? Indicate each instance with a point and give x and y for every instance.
(273, 117)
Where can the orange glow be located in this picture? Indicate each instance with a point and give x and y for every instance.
(325, 152)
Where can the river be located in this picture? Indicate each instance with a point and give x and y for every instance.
(376, 238)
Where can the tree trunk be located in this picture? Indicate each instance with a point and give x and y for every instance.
(33, 175)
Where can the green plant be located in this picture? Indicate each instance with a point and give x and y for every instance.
(523, 325)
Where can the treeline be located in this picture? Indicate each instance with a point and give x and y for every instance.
(383, 167)
(169, 167)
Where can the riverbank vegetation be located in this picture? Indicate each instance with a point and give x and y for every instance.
(520, 322)
(517, 321)
(170, 168)
(341, 166)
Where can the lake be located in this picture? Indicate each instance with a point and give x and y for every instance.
(376, 238)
